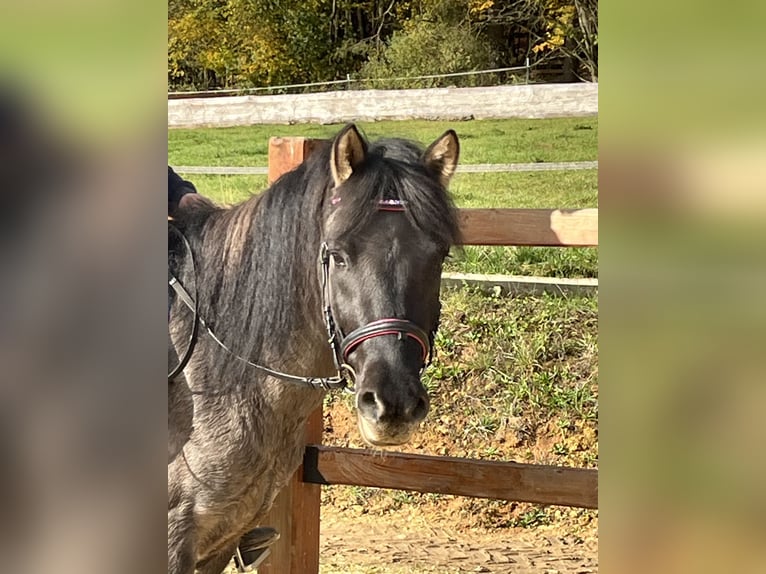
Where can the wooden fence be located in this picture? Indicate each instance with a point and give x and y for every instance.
(492, 102)
(296, 513)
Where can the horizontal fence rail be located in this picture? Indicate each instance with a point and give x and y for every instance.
(447, 475)
(537, 227)
(497, 102)
(526, 167)
(472, 168)
(346, 83)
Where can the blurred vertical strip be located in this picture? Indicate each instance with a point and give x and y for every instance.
(682, 275)
(82, 306)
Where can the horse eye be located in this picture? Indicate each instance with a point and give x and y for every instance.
(338, 259)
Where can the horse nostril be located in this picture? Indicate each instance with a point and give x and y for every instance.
(368, 403)
(421, 409)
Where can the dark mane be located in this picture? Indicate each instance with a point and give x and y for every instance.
(256, 263)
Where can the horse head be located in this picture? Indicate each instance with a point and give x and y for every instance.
(388, 224)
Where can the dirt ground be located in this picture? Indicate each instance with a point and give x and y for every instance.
(410, 543)
(375, 531)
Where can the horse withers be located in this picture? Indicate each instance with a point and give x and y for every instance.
(348, 247)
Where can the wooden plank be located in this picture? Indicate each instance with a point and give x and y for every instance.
(296, 514)
(520, 101)
(538, 227)
(307, 500)
(446, 475)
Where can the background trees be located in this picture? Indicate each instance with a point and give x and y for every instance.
(246, 43)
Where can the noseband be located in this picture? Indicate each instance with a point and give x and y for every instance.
(399, 327)
(341, 345)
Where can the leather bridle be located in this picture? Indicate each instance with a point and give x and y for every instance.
(341, 345)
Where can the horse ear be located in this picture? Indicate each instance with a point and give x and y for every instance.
(348, 152)
(442, 155)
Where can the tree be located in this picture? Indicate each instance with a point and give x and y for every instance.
(556, 28)
(246, 43)
(586, 36)
(571, 28)
(429, 48)
(243, 43)
(435, 37)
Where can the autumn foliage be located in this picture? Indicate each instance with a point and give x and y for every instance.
(216, 44)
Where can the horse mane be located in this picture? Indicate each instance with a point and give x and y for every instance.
(256, 262)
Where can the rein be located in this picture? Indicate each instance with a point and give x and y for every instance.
(340, 345)
(340, 381)
(191, 303)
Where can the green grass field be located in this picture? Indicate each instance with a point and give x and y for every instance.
(487, 141)
(482, 141)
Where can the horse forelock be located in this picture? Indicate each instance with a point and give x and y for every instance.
(393, 170)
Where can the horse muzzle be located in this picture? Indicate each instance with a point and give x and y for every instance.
(389, 411)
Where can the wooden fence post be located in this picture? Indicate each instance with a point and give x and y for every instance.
(296, 515)
(296, 511)
(286, 154)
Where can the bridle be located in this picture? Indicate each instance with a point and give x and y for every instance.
(341, 345)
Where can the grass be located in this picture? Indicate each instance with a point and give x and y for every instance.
(495, 141)
(497, 356)
(229, 189)
(536, 354)
(562, 189)
(573, 262)
(482, 141)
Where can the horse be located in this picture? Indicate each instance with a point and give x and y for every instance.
(329, 278)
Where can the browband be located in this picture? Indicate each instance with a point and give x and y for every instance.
(383, 204)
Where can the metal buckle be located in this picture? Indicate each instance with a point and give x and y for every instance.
(324, 253)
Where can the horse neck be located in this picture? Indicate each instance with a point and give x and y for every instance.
(293, 337)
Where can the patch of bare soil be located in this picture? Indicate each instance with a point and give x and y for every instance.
(367, 530)
(415, 543)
